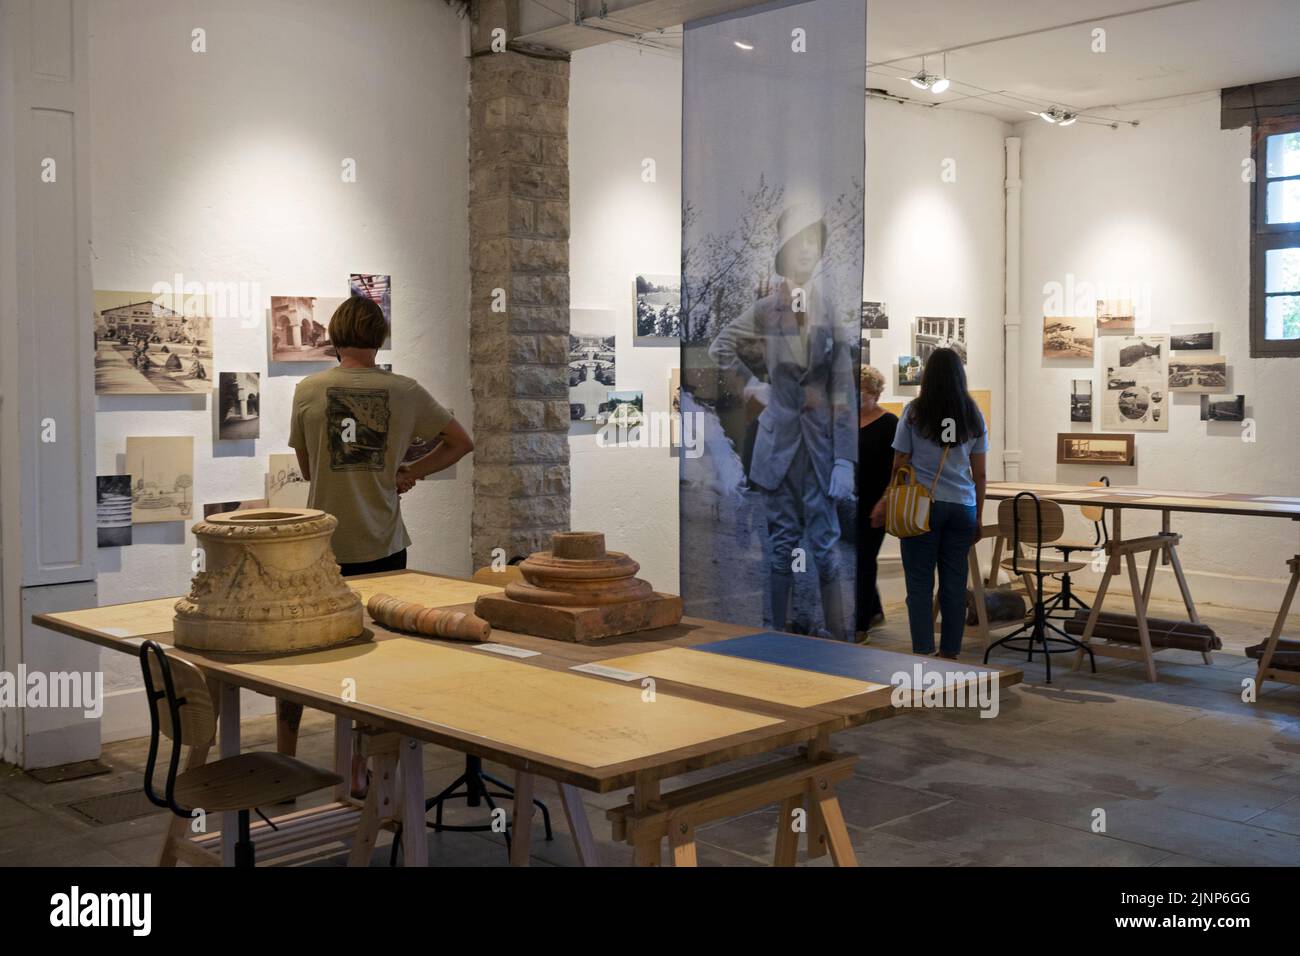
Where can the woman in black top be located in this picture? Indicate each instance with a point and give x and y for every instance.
(876, 429)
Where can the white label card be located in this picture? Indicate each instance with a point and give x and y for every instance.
(600, 670)
(507, 650)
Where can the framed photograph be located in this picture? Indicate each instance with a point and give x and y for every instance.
(659, 307)
(1223, 408)
(1198, 372)
(934, 332)
(378, 289)
(238, 405)
(874, 318)
(1136, 383)
(1115, 317)
(1081, 400)
(113, 510)
(591, 362)
(1079, 448)
(909, 371)
(1068, 337)
(1192, 338)
(300, 328)
(147, 344)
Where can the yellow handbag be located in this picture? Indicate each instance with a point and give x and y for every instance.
(907, 504)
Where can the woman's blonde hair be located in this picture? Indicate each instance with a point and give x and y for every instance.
(871, 381)
(358, 324)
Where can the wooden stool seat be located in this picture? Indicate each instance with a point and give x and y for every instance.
(1073, 546)
(1048, 566)
(249, 780)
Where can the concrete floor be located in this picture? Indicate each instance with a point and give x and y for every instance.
(1185, 772)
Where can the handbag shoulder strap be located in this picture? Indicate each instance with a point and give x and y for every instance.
(943, 458)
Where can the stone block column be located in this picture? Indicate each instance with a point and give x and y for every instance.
(519, 288)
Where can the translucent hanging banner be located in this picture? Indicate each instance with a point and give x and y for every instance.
(773, 117)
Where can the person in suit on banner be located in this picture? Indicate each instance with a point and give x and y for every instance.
(806, 446)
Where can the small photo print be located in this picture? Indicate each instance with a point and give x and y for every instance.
(1068, 337)
(1077, 449)
(591, 362)
(1223, 408)
(874, 317)
(1198, 373)
(1115, 316)
(239, 403)
(909, 371)
(939, 332)
(1192, 338)
(623, 409)
(285, 485)
(113, 510)
(149, 344)
(659, 307)
(162, 478)
(1081, 400)
(378, 289)
(300, 328)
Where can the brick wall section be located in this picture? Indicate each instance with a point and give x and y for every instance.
(519, 242)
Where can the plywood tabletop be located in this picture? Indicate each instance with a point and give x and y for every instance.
(1209, 502)
(419, 588)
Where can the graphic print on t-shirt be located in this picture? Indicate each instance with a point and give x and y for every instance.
(357, 424)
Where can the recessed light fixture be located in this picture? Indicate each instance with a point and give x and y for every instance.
(741, 44)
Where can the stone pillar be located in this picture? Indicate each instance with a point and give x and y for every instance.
(519, 289)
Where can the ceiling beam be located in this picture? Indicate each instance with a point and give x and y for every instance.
(569, 25)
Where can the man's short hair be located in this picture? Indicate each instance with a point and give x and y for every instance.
(358, 324)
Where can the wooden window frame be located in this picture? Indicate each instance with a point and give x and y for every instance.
(1265, 236)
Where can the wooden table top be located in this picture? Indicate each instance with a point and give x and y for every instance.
(1208, 502)
(594, 730)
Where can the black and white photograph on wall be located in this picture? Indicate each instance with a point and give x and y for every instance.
(1223, 408)
(147, 344)
(1135, 397)
(1191, 338)
(300, 328)
(776, 397)
(936, 332)
(238, 405)
(378, 289)
(591, 362)
(909, 371)
(113, 510)
(1115, 317)
(1081, 400)
(659, 307)
(1198, 372)
(875, 319)
(162, 477)
(1068, 337)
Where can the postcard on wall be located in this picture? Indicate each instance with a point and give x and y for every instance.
(238, 405)
(1198, 372)
(623, 409)
(1136, 376)
(113, 510)
(875, 319)
(224, 507)
(285, 485)
(1068, 337)
(934, 332)
(299, 328)
(1223, 408)
(1115, 317)
(591, 362)
(1192, 338)
(148, 344)
(1081, 400)
(1081, 448)
(162, 478)
(909, 371)
(659, 307)
(378, 289)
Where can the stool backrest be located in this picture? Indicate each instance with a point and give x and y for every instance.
(1028, 519)
(180, 708)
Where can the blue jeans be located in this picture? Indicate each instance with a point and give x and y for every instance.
(952, 531)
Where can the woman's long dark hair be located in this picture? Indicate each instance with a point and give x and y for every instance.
(944, 399)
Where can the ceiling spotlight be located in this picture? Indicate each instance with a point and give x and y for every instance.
(743, 45)
(1049, 116)
(941, 82)
(921, 81)
(1069, 119)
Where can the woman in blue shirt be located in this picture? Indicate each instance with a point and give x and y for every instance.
(942, 416)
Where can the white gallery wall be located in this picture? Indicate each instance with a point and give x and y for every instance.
(933, 248)
(226, 166)
(1163, 208)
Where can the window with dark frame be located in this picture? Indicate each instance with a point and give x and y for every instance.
(1275, 239)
